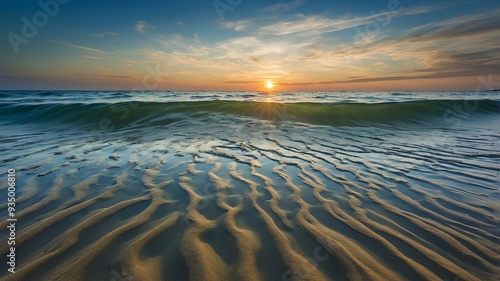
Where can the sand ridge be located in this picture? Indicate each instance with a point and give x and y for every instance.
(257, 205)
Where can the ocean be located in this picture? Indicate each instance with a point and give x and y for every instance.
(121, 185)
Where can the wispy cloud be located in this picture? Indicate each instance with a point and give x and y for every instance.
(240, 82)
(104, 34)
(318, 24)
(240, 25)
(313, 25)
(457, 47)
(94, 57)
(477, 24)
(280, 7)
(106, 75)
(143, 27)
(78, 46)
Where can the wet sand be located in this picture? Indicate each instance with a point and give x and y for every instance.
(261, 202)
(245, 186)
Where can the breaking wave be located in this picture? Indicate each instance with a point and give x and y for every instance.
(333, 114)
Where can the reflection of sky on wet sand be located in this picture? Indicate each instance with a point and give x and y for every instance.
(257, 190)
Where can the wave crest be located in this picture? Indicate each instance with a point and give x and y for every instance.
(336, 114)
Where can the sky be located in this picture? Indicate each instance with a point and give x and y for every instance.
(296, 45)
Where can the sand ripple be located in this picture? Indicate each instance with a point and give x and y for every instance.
(285, 203)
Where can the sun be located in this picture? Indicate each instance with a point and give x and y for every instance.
(269, 84)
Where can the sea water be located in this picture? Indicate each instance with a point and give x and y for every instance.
(252, 185)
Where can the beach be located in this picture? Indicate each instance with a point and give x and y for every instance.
(160, 185)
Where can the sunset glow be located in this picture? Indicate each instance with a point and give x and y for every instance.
(306, 45)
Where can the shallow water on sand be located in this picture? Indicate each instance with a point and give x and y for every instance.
(158, 186)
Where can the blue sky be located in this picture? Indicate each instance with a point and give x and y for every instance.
(242, 44)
